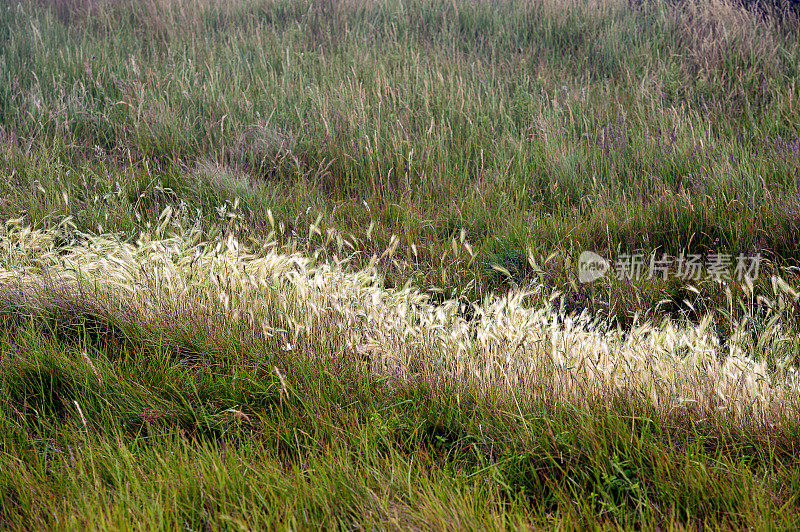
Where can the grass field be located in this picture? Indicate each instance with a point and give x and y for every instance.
(314, 263)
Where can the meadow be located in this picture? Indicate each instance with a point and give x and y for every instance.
(314, 264)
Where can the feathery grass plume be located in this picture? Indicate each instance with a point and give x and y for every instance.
(506, 347)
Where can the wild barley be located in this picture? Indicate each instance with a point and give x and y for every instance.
(317, 307)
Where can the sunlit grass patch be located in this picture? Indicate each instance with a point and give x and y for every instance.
(516, 345)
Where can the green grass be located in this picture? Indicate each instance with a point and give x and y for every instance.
(136, 437)
(489, 144)
(554, 126)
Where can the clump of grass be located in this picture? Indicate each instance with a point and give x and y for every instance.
(504, 347)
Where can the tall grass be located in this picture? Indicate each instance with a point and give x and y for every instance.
(181, 383)
(556, 126)
(311, 263)
(504, 347)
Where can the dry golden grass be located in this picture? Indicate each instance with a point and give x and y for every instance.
(503, 347)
